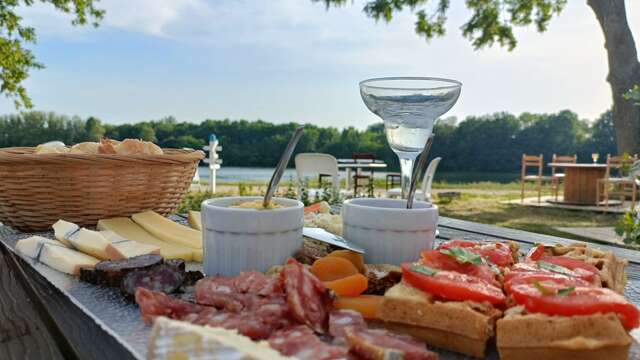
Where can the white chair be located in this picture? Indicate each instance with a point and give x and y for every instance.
(314, 164)
(424, 193)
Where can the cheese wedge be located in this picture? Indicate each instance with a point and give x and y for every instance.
(198, 255)
(195, 219)
(88, 241)
(127, 229)
(167, 230)
(129, 248)
(63, 229)
(55, 255)
(172, 339)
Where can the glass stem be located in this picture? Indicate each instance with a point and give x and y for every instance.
(406, 170)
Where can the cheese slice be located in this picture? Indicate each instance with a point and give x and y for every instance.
(197, 255)
(172, 339)
(127, 229)
(63, 229)
(195, 220)
(129, 248)
(88, 241)
(167, 230)
(55, 255)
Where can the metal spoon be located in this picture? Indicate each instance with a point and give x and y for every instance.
(419, 169)
(282, 165)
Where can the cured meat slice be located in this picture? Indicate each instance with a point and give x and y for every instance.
(178, 264)
(153, 303)
(301, 343)
(247, 324)
(339, 320)
(220, 292)
(192, 277)
(111, 272)
(163, 277)
(237, 293)
(256, 325)
(274, 311)
(253, 282)
(381, 344)
(308, 299)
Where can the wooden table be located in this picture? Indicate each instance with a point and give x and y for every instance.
(38, 321)
(350, 164)
(581, 182)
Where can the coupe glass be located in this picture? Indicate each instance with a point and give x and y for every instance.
(409, 107)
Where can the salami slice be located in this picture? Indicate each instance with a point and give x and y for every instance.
(153, 303)
(269, 316)
(178, 264)
(191, 278)
(308, 299)
(253, 282)
(339, 320)
(220, 292)
(301, 343)
(111, 272)
(164, 278)
(382, 344)
(238, 293)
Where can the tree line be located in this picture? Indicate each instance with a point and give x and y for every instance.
(493, 143)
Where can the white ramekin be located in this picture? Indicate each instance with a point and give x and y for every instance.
(238, 240)
(390, 233)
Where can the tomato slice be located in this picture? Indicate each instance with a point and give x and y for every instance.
(438, 260)
(535, 253)
(551, 267)
(579, 267)
(496, 252)
(451, 285)
(541, 277)
(457, 243)
(580, 301)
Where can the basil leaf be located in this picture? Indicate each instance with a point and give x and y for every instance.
(422, 269)
(543, 290)
(554, 268)
(566, 291)
(463, 256)
(493, 267)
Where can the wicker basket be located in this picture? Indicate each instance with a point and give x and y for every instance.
(38, 189)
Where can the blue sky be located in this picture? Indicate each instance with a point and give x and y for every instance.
(291, 60)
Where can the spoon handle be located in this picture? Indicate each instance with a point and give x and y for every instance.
(282, 165)
(419, 169)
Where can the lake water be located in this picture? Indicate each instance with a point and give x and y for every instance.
(232, 174)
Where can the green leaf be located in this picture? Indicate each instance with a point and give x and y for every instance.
(422, 269)
(543, 290)
(463, 256)
(566, 291)
(554, 268)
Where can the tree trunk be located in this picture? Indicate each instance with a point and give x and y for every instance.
(624, 70)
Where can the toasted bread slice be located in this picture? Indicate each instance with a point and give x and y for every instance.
(459, 326)
(538, 336)
(611, 268)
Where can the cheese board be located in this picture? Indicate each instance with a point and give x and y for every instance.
(121, 320)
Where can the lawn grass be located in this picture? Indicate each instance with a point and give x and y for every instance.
(488, 209)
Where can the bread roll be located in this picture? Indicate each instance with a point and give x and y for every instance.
(52, 147)
(138, 147)
(85, 148)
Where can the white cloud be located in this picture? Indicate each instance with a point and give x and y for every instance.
(150, 17)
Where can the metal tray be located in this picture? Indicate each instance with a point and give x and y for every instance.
(121, 318)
